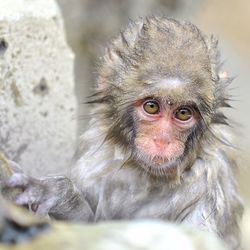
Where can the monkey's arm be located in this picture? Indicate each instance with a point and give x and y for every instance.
(56, 196)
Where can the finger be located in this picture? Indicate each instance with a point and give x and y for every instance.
(25, 199)
(44, 208)
(15, 167)
(34, 207)
(18, 180)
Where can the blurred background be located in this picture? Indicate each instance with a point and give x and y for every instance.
(91, 24)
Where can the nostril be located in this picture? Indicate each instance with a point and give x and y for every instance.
(161, 143)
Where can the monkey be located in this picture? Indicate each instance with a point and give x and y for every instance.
(158, 144)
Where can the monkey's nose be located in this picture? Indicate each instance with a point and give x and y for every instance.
(161, 143)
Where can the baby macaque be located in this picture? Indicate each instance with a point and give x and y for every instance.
(158, 144)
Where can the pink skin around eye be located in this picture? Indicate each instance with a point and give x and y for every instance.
(158, 135)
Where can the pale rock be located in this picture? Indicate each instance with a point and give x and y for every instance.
(37, 101)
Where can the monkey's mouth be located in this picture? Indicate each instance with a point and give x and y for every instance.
(159, 161)
(164, 163)
(166, 169)
(159, 166)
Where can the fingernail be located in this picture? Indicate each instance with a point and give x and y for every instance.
(21, 200)
(11, 182)
(34, 207)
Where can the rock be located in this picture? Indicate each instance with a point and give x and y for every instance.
(5, 173)
(37, 100)
(20, 230)
(245, 225)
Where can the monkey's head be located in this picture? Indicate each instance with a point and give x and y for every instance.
(160, 91)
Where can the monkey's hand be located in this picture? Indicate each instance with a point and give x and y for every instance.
(55, 195)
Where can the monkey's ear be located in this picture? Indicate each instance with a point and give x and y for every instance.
(135, 29)
(112, 57)
(214, 55)
(124, 43)
(120, 53)
(220, 76)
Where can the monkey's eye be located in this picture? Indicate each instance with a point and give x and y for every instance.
(184, 114)
(151, 107)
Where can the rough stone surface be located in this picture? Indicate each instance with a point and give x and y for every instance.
(37, 100)
(20, 230)
(23, 230)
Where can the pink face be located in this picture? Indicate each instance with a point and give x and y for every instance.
(162, 129)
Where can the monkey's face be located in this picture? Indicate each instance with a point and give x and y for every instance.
(162, 131)
(162, 91)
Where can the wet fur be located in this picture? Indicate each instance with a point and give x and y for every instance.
(111, 179)
(202, 190)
